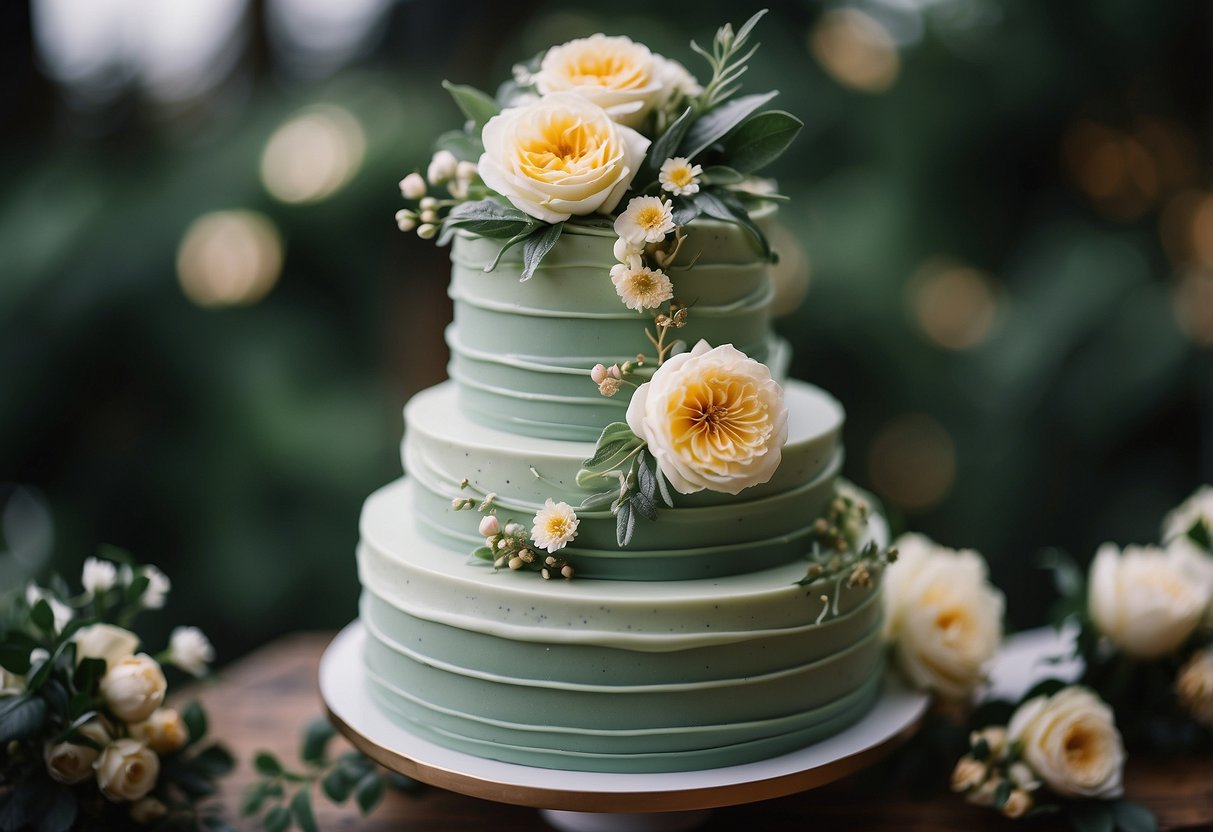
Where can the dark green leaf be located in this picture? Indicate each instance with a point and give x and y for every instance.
(88, 674)
(1091, 816)
(1047, 687)
(685, 211)
(21, 716)
(1133, 817)
(607, 457)
(625, 524)
(267, 764)
(336, 785)
(509, 244)
(316, 739)
(277, 819)
(60, 814)
(721, 175)
(139, 585)
(981, 750)
(301, 807)
(723, 205)
(1201, 535)
(254, 798)
(488, 218)
(716, 123)
(645, 479)
(369, 792)
(537, 246)
(215, 823)
(55, 695)
(662, 486)
(213, 761)
(484, 553)
(71, 732)
(478, 106)
(19, 807)
(761, 140)
(15, 650)
(465, 146)
(666, 145)
(1001, 793)
(42, 616)
(645, 506)
(195, 721)
(994, 712)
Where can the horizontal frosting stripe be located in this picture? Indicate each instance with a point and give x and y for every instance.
(768, 652)
(420, 577)
(432, 726)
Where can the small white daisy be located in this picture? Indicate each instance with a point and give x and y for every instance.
(679, 176)
(647, 219)
(555, 525)
(642, 288)
(191, 650)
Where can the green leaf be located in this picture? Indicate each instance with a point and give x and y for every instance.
(994, 712)
(685, 211)
(608, 456)
(214, 761)
(60, 814)
(625, 524)
(316, 739)
(88, 674)
(72, 733)
(369, 792)
(536, 247)
(139, 585)
(662, 486)
(55, 695)
(717, 123)
(509, 244)
(721, 175)
(267, 764)
(42, 616)
(744, 32)
(21, 716)
(478, 106)
(215, 823)
(1067, 577)
(254, 798)
(644, 475)
(488, 218)
(337, 785)
(277, 819)
(723, 205)
(195, 721)
(1201, 535)
(761, 140)
(301, 807)
(599, 500)
(1091, 816)
(465, 146)
(643, 505)
(15, 650)
(1133, 817)
(666, 145)
(1046, 687)
(484, 553)
(981, 750)
(1001, 793)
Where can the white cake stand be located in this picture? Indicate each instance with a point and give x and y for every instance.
(593, 802)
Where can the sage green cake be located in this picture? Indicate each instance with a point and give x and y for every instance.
(714, 638)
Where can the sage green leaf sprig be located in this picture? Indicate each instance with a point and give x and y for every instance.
(282, 797)
(623, 457)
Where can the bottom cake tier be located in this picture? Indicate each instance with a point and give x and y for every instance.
(609, 676)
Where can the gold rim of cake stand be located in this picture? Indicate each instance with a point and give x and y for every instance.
(707, 797)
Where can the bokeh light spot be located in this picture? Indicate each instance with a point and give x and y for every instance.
(856, 50)
(229, 258)
(1193, 306)
(790, 276)
(912, 462)
(313, 155)
(954, 305)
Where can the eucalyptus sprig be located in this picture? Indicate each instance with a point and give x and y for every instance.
(282, 796)
(728, 59)
(622, 456)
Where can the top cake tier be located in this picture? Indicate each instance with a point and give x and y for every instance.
(521, 351)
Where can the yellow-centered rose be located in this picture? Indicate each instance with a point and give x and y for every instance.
(712, 418)
(560, 156)
(1070, 740)
(616, 73)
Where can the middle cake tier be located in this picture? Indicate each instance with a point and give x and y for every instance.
(706, 534)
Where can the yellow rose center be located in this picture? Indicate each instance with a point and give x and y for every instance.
(562, 146)
(1080, 747)
(607, 69)
(720, 418)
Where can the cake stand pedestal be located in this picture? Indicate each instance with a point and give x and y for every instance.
(593, 802)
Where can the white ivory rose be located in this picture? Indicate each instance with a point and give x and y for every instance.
(623, 77)
(70, 762)
(713, 418)
(560, 156)
(942, 616)
(1147, 600)
(163, 732)
(126, 770)
(133, 687)
(1071, 742)
(105, 641)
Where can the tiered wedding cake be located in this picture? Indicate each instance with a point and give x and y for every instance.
(600, 561)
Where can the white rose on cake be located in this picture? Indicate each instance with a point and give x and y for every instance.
(1070, 740)
(713, 419)
(560, 156)
(1147, 600)
(619, 75)
(942, 615)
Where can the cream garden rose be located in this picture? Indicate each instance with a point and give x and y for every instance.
(163, 732)
(133, 687)
(619, 75)
(942, 616)
(560, 156)
(105, 641)
(1070, 740)
(127, 770)
(1147, 600)
(70, 762)
(713, 419)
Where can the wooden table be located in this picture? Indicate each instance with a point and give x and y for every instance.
(264, 700)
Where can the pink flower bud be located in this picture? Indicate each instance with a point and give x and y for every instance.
(598, 373)
(489, 525)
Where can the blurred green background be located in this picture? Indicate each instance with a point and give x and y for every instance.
(209, 322)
